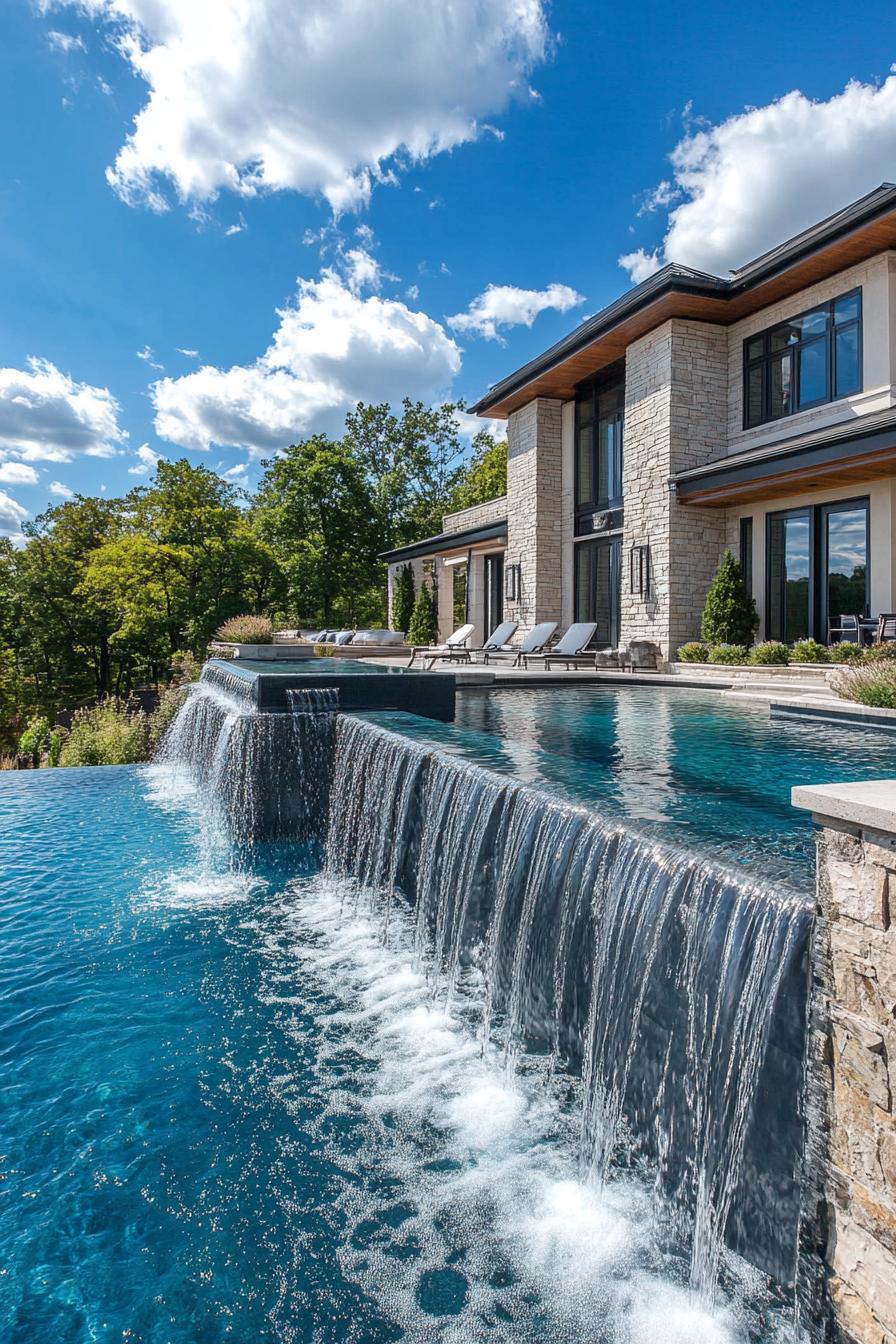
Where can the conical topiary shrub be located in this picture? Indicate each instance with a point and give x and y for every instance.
(403, 599)
(424, 626)
(729, 616)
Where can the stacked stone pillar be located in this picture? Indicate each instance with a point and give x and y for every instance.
(854, 1014)
(534, 511)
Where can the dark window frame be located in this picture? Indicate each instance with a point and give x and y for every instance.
(768, 357)
(588, 416)
(746, 553)
(818, 560)
(614, 543)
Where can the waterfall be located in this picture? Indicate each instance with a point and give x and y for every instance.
(662, 998)
(668, 988)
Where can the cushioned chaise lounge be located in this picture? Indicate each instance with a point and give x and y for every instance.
(569, 649)
(534, 642)
(499, 639)
(455, 641)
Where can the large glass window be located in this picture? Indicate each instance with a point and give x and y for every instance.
(746, 553)
(494, 592)
(599, 430)
(597, 574)
(817, 569)
(805, 361)
(459, 594)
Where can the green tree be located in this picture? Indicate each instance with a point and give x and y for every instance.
(314, 510)
(403, 598)
(424, 624)
(729, 615)
(485, 475)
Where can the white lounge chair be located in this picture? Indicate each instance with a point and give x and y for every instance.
(499, 639)
(570, 648)
(455, 641)
(535, 642)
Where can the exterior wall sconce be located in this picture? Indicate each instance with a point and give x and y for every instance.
(512, 582)
(640, 577)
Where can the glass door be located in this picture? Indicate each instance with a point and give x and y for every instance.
(494, 593)
(789, 565)
(844, 562)
(598, 567)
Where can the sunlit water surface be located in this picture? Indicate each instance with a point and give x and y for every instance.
(231, 1112)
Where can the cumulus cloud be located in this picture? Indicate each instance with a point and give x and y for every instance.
(61, 491)
(45, 416)
(331, 349)
(761, 176)
(17, 473)
(65, 42)
(507, 306)
(146, 461)
(12, 515)
(324, 97)
(473, 424)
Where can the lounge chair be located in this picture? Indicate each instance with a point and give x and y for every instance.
(848, 629)
(570, 648)
(535, 642)
(886, 627)
(455, 641)
(499, 639)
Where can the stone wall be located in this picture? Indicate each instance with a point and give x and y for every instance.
(855, 1011)
(477, 515)
(534, 510)
(676, 388)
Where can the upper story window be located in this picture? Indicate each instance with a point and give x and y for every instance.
(599, 425)
(805, 362)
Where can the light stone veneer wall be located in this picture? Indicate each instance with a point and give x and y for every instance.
(855, 1009)
(676, 393)
(534, 510)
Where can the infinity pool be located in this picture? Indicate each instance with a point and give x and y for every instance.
(688, 766)
(231, 1112)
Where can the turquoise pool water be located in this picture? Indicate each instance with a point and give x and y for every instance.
(231, 1112)
(352, 666)
(685, 765)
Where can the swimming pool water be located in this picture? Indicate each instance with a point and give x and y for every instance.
(688, 766)
(232, 1113)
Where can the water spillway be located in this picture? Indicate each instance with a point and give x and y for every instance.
(659, 998)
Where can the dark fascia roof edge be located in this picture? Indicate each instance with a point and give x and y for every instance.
(675, 279)
(446, 541)
(772, 460)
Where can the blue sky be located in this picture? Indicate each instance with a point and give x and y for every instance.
(361, 198)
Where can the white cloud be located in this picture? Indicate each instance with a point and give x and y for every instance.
(236, 473)
(12, 515)
(146, 461)
(147, 354)
(65, 42)
(412, 292)
(236, 228)
(61, 491)
(506, 306)
(45, 416)
(17, 473)
(190, 354)
(332, 348)
(765, 174)
(474, 424)
(326, 96)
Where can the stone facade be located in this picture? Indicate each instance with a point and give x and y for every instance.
(534, 510)
(855, 1009)
(676, 389)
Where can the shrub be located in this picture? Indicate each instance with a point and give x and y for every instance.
(879, 653)
(111, 733)
(845, 652)
(770, 654)
(874, 686)
(729, 616)
(424, 625)
(808, 651)
(728, 653)
(186, 667)
(403, 599)
(247, 630)
(35, 739)
(694, 652)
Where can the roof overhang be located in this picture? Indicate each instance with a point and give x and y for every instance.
(841, 457)
(861, 230)
(446, 542)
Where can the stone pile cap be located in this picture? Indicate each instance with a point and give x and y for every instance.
(870, 803)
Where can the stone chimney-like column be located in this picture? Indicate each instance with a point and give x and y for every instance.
(854, 1008)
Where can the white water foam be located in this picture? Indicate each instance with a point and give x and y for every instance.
(481, 1163)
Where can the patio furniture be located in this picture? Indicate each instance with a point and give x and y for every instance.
(886, 627)
(536, 640)
(499, 639)
(454, 641)
(850, 628)
(570, 648)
